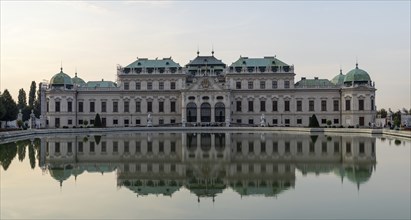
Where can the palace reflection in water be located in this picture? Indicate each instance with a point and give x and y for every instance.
(206, 164)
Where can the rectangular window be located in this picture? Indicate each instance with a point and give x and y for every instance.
(70, 122)
(80, 121)
(250, 147)
(103, 147)
(336, 147)
(348, 147)
(115, 147)
(323, 121)
(69, 147)
(115, 121)
(57, 148)
(238, 147)
(274, 84)
(299, 105)
(324, 147)
(126, 122)
(311, 105)
(312, 147)
(361, 105)
(92, 106)
(372, 104)
(336, 121)
(336, 105)
(172, 106)
(173, 146)
(57, 107)
(126, 106)
(126, 86)
(69, 106)
(238, 85)
(138, 121)
(251, 106)
(149, 85)
(160, 106)
(126, 147)
(161, 121)
(57, 122)
(287, 147)
(115, 106)
(262, 147)
(262, 105)
(323, 105)
(172, 121)
(348, 105)
(161, 85)
(80, 146)
(275, 105)
(103, 106)
(161, 147)
(238, 106)
(262, 84)
(104, 122)
(92, 147)
(287, 84)
(287, 121)
(138, 106)
(299, 121)
(149, 106)
(275, 147)
(172, 85)
(250, 121)
(286, 105)
(47, 106)
(138, 85)
(275, 121)
(138, 147)
(299, 147)
(250, 84)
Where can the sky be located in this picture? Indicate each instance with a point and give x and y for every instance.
(317, 37)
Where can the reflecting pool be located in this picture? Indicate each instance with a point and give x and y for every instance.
(206, 175)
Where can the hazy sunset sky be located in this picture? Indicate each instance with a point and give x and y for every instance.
(317, 37)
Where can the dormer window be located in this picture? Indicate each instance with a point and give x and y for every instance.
(138, 64)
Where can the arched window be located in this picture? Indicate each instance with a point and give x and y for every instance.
(219, 112)
(191, 112)
(205, 112)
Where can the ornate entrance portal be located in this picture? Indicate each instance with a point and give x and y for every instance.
(205, 112)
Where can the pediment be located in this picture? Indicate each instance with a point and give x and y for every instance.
(205, 84)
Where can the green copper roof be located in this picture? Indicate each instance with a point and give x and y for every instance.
(205, 61)
(357, 75)
(101, 84)
(146, 63)
(61, 79)
(304, 83)
(78, 80)
(258, 62)
(338, 79)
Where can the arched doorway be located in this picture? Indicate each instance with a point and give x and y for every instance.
(191, 112)
(219, 112)
(205, 112)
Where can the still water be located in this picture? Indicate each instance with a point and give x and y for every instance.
(202, 175)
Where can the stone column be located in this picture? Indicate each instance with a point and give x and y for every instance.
(183, 110)
(198, 112)
(227, 116)
(212, 113)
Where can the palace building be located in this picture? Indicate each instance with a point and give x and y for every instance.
(207, 92)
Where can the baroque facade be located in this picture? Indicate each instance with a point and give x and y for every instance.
(207, 92)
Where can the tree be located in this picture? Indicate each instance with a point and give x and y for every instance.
(37, 102)
(382, 112)
(22, 99)
(85, 123)
(2, 107)
(97, 121)
(329, 123)
(32, 94)
(10, 106)
(313, 122)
